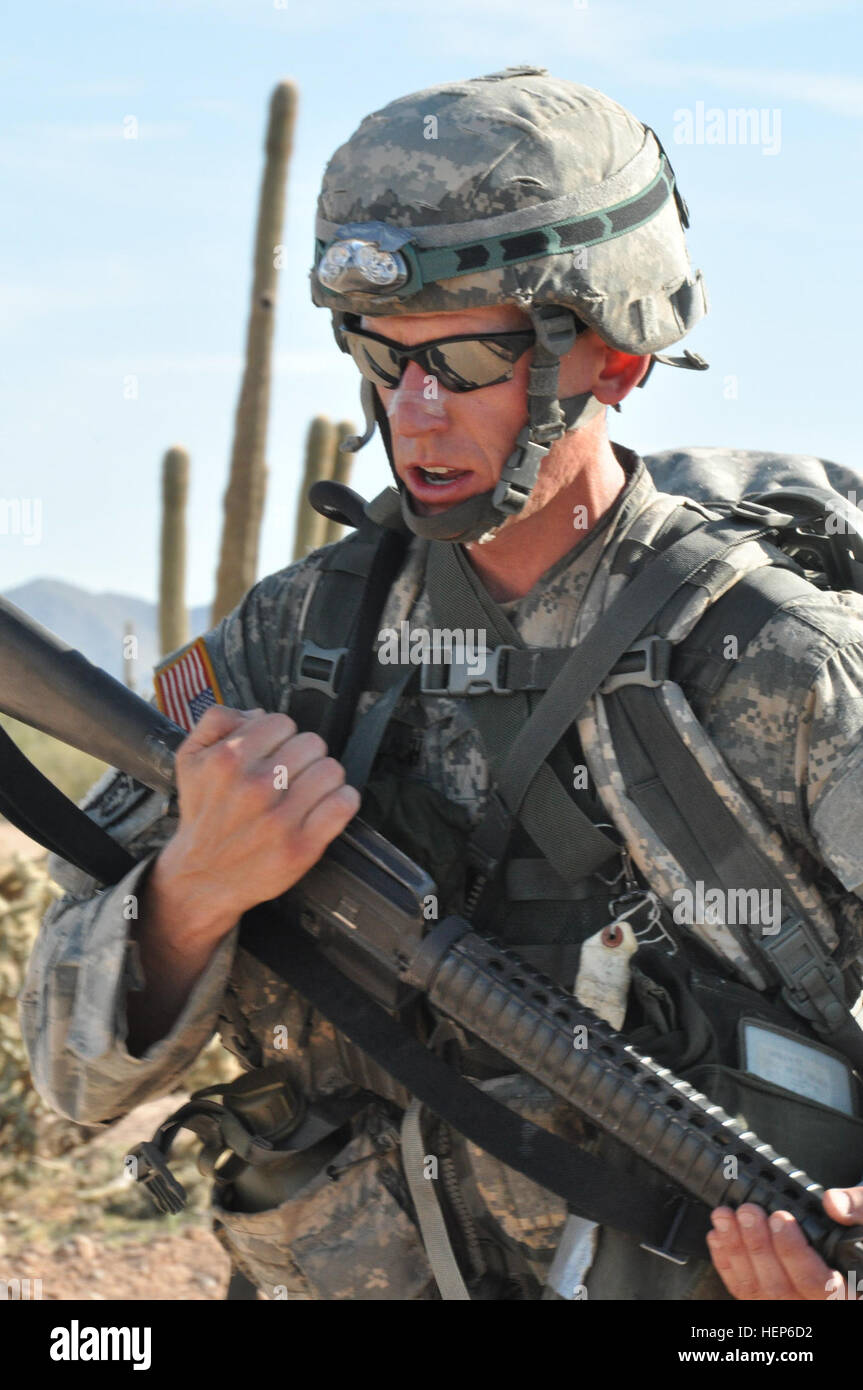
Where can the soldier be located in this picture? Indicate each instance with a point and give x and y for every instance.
(504, 259)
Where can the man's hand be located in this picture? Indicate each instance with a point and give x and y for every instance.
(259, 804)
(771, 1259)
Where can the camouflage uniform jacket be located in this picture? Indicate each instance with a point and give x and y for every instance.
(788, 721)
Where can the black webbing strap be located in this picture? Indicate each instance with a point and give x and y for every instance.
(611, 635)
(590, 1186)
(40, 810)
(701, 662)
(561, 830)
(344, 613)
(678, 800)
(362, 747)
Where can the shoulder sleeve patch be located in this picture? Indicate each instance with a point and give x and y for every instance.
(186, 685)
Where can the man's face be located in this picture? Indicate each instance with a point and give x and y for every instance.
(473, 432)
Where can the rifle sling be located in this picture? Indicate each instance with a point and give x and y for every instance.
(42, 812)
(584, 1182)
(588, 1184)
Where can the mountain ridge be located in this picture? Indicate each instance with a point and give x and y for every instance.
(94, 623)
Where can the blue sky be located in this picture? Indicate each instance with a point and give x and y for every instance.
(133, 257)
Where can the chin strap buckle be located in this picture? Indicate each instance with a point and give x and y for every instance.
(519, 475)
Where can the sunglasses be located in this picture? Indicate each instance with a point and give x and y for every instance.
(463, 363)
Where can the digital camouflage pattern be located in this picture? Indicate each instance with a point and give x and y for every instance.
(787, 723)
(503, 155)
(348, 1239)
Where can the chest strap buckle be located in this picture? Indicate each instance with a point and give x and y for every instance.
(481, 677)
(319, 668)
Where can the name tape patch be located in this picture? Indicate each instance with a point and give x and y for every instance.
(187, 686)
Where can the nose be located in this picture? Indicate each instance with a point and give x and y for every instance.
(417, 405)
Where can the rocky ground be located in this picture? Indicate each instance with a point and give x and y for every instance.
(73, 1221)
(87, 1233)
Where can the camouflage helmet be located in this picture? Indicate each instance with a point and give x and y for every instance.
(516, 188)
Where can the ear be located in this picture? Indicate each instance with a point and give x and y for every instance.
(619, 375)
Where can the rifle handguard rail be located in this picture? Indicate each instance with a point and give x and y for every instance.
(522, 1014)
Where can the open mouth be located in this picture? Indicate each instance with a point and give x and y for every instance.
(436, 479)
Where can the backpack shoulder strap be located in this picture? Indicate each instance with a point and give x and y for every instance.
(677, 795)
(334, 646)
(703, 660)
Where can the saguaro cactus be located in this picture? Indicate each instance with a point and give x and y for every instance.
(173, 617)
(341, 473)
(244, 497)
(311, 527)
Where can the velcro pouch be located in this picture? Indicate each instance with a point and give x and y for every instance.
(822, 1141)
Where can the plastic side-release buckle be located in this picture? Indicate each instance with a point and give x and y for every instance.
(318, 668)
(147, 1164)
(812, 983)
(644, 663)
(514, 486)
(464, 678)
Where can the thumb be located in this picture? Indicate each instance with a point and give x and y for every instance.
(845, 1204)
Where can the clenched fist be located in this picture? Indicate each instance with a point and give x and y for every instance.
(259, 804)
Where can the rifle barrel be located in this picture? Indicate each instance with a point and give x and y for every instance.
(50, 686)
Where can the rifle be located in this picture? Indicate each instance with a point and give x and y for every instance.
(362, 905)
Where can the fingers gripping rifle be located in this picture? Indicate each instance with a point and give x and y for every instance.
(363, 904)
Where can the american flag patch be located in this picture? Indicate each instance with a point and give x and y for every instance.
(186, 686)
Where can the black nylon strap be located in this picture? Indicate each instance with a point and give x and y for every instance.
(520, 671)
(585, 1182)
(367, 565)
(592, 660)
(40, 810)
(701, 662)
(680, 803)
(365, 740)
(555, 822)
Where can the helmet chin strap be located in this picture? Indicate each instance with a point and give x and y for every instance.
(478, 518)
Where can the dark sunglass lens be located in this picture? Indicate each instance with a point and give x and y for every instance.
(375, 360)
(474, 363)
